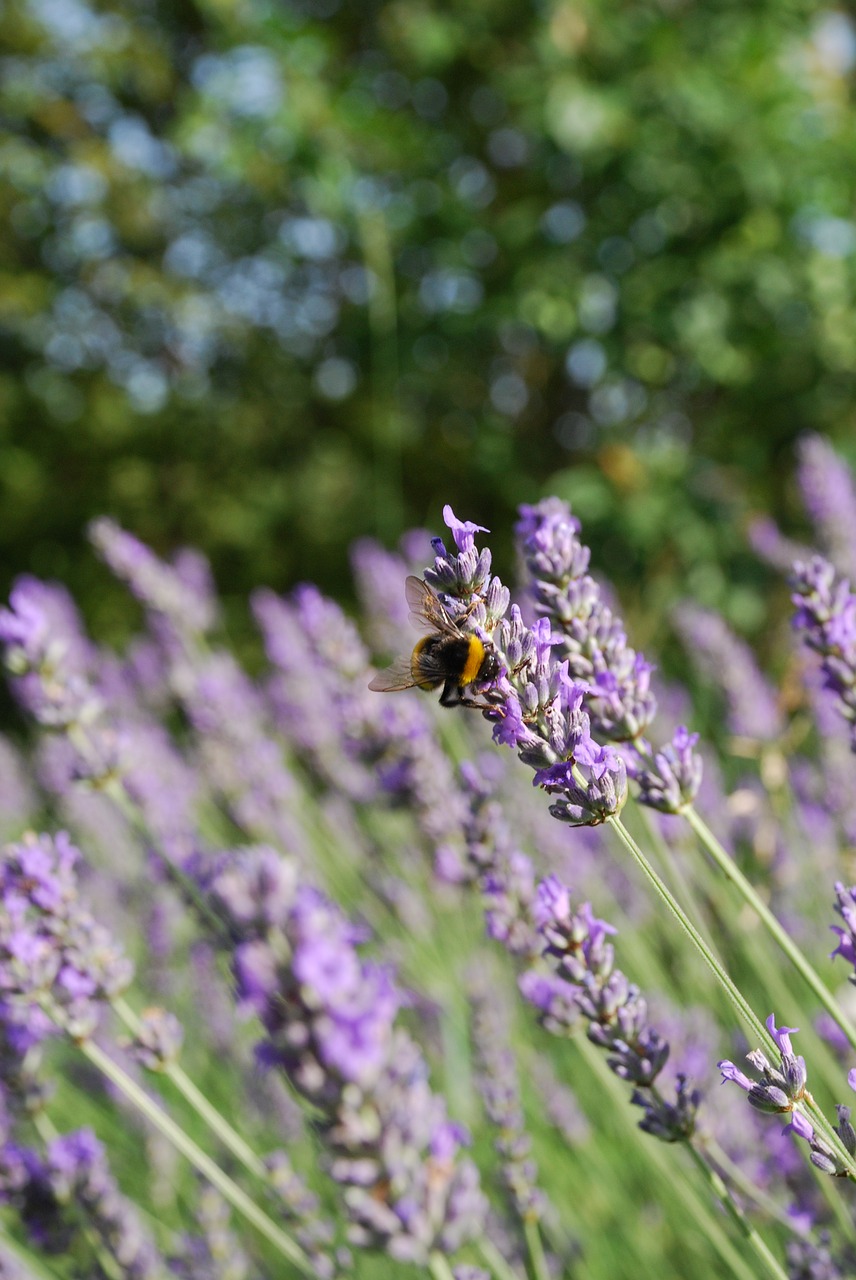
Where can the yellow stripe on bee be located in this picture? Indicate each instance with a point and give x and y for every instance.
(475, 658)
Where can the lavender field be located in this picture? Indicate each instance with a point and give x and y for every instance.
(299, 978)
(518, 944)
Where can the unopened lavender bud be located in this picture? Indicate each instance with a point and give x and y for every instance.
(794, 1071)
(158, 1039)
(812, 1260)
(824, 1159)
(496, 602)
(769, 1099)
(821, 1155)
(845, 1129)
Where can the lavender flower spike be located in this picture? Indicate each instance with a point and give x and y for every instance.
(582, 982)
(822, 1155)
(826, 614)
(845, 906)
(540, 707)
(618, 680)
(181, 593)
(48, 654)
(50, 945)
(717, 653)
(499, 1087)
(72, 1182)
(330, 1022)
(673, 778)
(827, 488)
(77, 1170)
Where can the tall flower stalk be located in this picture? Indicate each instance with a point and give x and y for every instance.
(543, 712)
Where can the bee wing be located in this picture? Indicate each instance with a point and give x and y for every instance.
(425, 609)
(394, 678)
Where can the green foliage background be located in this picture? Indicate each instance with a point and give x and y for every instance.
(278, 274)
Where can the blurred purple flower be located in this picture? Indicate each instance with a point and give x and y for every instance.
(828, 492)
(330, 1022)
(718, 654)
(826, 615)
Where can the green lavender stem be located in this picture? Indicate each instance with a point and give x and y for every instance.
(217, 1123)
(493, 1258)
(535, 1246)
(757, 1028)
(439, 1267)
(696, 1208)
(803, 966)
(759, 1031)
(202, 1162)
(737, 1216)
(29, 1263)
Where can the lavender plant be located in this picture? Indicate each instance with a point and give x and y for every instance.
(307, 877)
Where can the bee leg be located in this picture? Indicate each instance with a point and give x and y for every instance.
(451, 695)
(454, 696)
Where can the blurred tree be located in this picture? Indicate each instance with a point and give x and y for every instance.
(277, 274)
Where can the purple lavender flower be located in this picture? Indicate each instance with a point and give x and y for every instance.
(77, 1172)
(669, 1121)
(779, 1088)
(240, 755)
(74, 1181)
(157, 1041)
(673, 780)
(181, 593)
(560, 1104)
(717, 653)
(826, 614)
(18, 800)
(48, 654)
(214, 1253)
(830, 499)
(541, 710)
(463, 582)
(845, 906)
(597, 798)
(370, 748)
(50, 946)
(768, 542)
(378, 575)
(302, 1207)
(499, 1087)
(581, 981)
(822, 1154)
(619, 699)
(330, 1022)
(814, 1260)
(468, 572)
(505, 875)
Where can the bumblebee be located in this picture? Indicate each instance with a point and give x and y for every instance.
(449, 657)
